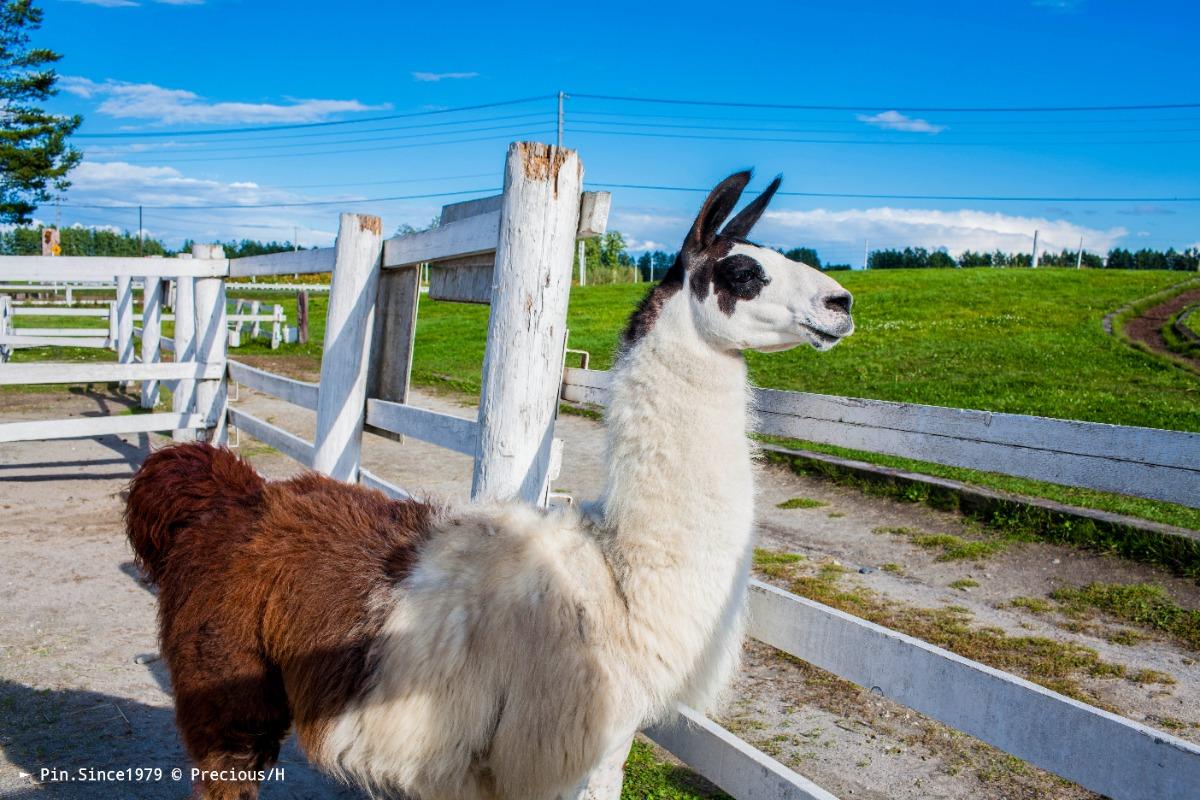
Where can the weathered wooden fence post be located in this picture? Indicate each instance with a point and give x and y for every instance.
(209, 298)
(341, 403)
(184, 399)
(124, 310)
(302, 316)
(151, 335)
(522, 365)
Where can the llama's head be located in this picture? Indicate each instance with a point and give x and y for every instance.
(743, 296)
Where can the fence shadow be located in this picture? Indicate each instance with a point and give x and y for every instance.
(73, 729)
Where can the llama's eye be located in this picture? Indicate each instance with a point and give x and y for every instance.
(744, 276)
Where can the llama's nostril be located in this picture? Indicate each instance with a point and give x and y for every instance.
(839, 301)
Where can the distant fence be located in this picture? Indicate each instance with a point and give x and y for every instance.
(518, 245)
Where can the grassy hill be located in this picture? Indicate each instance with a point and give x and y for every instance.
(1020, 341)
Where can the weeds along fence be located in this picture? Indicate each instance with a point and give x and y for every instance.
(514, 252)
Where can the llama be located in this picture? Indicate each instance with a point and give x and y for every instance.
(487, 652)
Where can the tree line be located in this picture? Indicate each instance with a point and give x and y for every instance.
(608, 259)
(1117, 258)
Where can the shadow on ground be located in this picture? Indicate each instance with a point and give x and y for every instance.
(72, 730)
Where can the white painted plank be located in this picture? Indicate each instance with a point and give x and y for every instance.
(210, 338)
(1146, 445)
(60, 332)
(285, 442)
(152, 296)
(21, 340)
(593, 214)
(292, 262)
(183, 346)
(50, 311)
(443, 430)
(1144, 462)
(299, 393)
(730, 763)
(470, 208)
(522, 369)
(84, 427)
(1106, 753)
(465, 237)
(104, 268)
(45, 373)
(349, 325)
(373, 481)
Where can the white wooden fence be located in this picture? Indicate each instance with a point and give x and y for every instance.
(503, 249)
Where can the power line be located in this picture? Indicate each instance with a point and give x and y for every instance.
(174, 145)
(886, 107)
(883, 142)
(998, 198)
(288, 205)
(426, 134)
(294, 126)
(760, 129)
(344, 151)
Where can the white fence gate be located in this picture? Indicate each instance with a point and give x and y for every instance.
(519, 245)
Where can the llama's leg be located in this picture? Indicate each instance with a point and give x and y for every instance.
(232, 725)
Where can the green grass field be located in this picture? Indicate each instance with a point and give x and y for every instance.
(1020, 341)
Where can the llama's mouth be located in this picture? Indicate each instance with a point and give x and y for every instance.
(819, 339)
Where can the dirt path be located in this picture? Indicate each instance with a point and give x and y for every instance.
(79, 685)
(1147, 328)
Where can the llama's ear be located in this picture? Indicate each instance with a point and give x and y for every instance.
(739, 227)
(715, 210)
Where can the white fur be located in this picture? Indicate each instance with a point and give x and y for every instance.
(527, 644)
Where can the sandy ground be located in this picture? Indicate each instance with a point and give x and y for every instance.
(80, 686)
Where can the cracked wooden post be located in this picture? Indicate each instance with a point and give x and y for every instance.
(522, 365)
(151, 335)
(184, 399)
(341, 402)
(211, 323)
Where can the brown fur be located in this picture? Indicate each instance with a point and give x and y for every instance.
(270, 597)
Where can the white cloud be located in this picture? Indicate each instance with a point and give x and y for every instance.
(146, 101)
(964, 229)
(895, 121)
(434, 77)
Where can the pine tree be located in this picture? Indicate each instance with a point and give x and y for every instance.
(34, 154)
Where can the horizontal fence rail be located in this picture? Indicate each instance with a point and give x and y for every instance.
(43, 373)
(1144, 462)
(298, 393)
(731, 763)
(285, 442)
(289, 262)
(443, 430)
(85, 427)
(105, 268)
(1104, 752)
(373, 481)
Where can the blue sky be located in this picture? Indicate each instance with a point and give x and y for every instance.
(137, 67)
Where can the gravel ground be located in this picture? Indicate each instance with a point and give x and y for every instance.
(80, 686)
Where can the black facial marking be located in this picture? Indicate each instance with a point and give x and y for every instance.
(643, 318)
(737, 277)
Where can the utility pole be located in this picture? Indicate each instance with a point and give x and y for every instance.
(1079, 258)
(139, 231)
(561, 96)
(1034, 261)
(866, 252)
(295, 239)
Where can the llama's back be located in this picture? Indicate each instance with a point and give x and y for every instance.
(271, 594)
